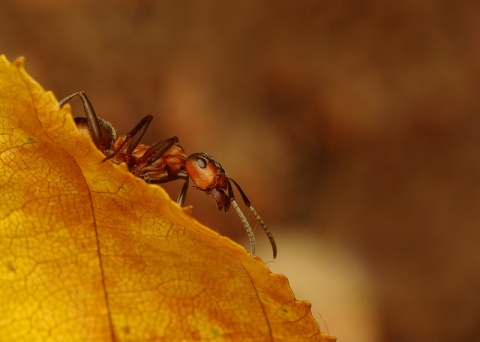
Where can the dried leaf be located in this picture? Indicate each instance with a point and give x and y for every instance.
(88, 252)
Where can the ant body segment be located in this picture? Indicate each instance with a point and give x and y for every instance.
(165, 161)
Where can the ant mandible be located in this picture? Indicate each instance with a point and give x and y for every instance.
(165, 161)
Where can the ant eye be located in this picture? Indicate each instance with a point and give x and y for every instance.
(202, 163)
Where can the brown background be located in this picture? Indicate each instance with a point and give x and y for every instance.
(353, 126)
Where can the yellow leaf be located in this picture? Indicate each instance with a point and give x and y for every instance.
(88, 252)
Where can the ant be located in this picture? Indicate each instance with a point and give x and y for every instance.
(165, 161)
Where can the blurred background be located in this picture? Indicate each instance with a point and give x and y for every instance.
(353, 126)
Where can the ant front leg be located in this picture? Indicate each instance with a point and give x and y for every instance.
(181, 175)
(101, 132)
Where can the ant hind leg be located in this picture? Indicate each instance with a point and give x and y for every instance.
(96, 127)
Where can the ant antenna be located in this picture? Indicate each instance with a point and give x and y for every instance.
(255, 214)
(249, 230)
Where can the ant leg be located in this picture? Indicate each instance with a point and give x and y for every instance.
(93, 122)
(132, 139)
(183, 193)
(156, 151)
(169, 178)
(255, 214)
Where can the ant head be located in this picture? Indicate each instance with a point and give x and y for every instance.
(205, 172)
(209, 177)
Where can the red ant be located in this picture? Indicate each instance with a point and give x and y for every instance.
(165, 161)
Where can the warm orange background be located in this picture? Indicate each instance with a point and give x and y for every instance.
(353, 127)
